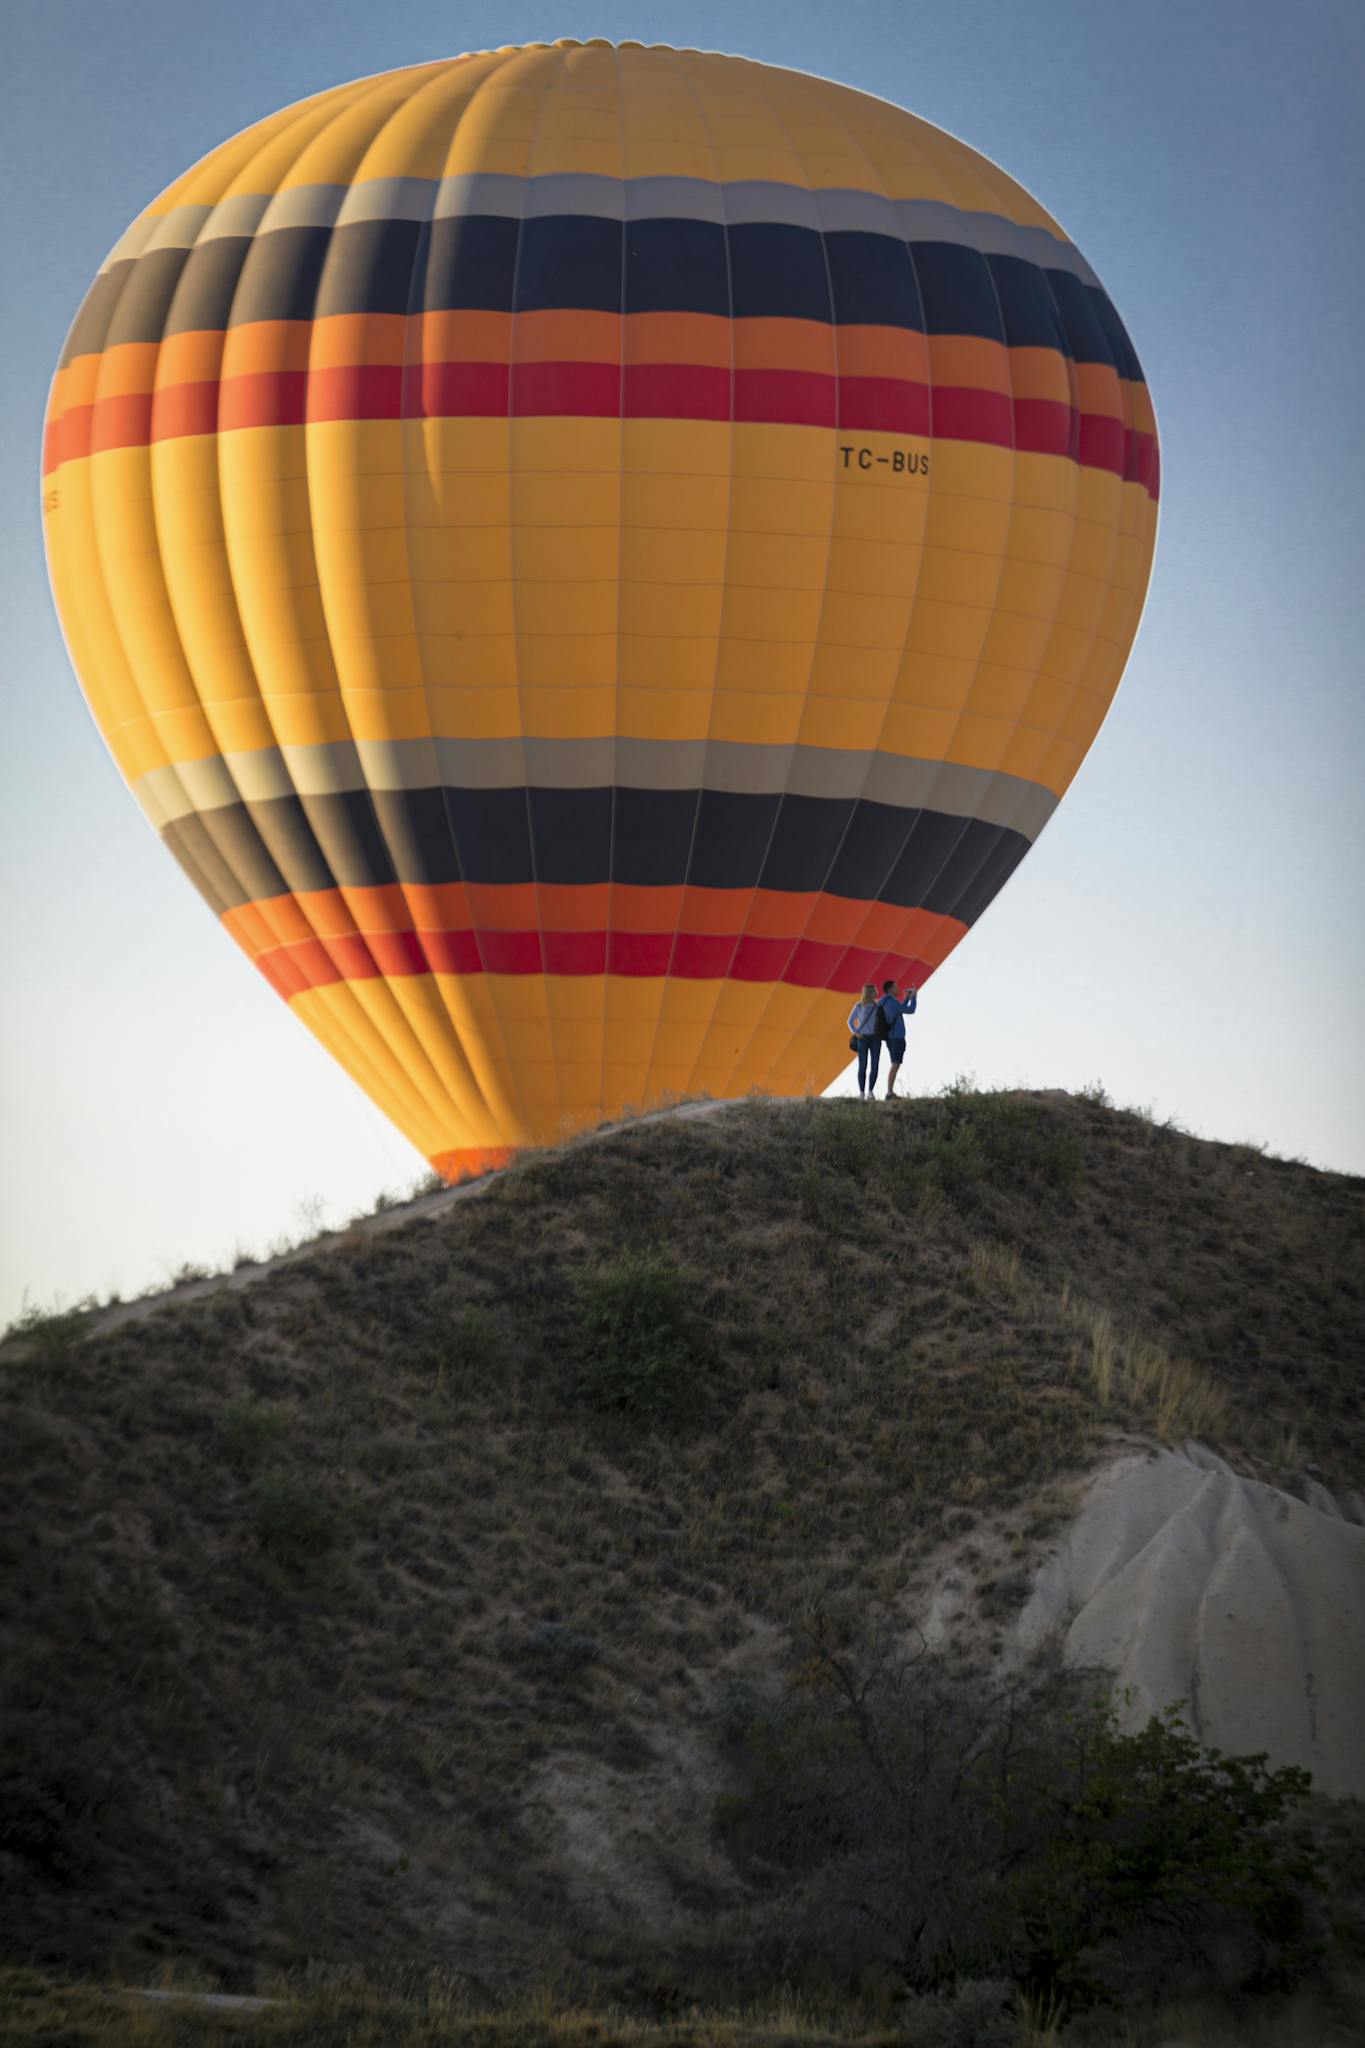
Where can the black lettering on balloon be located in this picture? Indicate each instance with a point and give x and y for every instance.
(901, 461)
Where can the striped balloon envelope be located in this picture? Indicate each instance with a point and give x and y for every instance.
(586, 555)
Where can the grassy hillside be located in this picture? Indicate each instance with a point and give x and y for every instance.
(386, 1610)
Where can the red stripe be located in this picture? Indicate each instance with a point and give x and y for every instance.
(681, 391)
(686, 956)
(789, 398)
(374, 391)
(960, 415)
(440, 391)
(121, 422)
(185, 409)
(1044, 426)
(1102, 443)
(265, 398)
(356, 391)
(885, 404)
(572, 390)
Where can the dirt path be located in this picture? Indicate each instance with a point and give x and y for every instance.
(424, 1208)
(206, 2001)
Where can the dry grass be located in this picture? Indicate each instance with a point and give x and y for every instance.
(382, 1625)
(41, 2011)
(1132, 1372)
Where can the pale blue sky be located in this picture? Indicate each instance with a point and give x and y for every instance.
(1189, 929)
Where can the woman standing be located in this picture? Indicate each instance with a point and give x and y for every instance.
(863, 1039)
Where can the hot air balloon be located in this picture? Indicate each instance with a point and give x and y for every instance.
(587, 554)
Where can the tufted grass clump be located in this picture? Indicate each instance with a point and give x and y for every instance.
(643, 1342)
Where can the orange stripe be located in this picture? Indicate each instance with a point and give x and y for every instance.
(196, 358)
(1139, 398)
(75, 385)
(883, 352)
(347, 338)
(263, 926)
(471, 1161)
(566, 336)
(1038, 373)
(344, 340)
(682, 338)
(1100, 389)
(462, 338)
(962, 359)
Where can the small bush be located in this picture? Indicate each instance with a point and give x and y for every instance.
(847, 1138)
(559, 1648)
(642, 1341)
(50, 1806)
(295, 1525)
(1018, 1139)
(452, 1346)
(248, 1433)
(904, 1817)
(51, 1334)
(976, 2015)
(955, 1162)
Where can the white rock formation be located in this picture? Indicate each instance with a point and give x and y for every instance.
(1196, 1586)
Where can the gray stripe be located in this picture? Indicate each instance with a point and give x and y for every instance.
(495, 192)
(242, 214)
(930, 220)
(865, 212)
(573, 192)
(995, 798)
(743, 201)
(181, 228)
(675, 199)
(388, 199)
(311, 206)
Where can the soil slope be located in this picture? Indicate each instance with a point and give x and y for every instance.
(386, 1606)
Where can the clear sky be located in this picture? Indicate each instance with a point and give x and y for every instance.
(1188, 930)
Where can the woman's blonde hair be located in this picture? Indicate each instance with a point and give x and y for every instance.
(869, 992)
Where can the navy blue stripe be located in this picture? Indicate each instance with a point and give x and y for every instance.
(646, 838)
(577, 262)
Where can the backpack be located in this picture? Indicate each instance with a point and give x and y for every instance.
(883, 1027)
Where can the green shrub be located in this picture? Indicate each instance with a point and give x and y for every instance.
(51, 1805)
(905, 1818)
(847, 1139)
(296, 1526)
(975, 2014)
(1023, 1141)
(641, 1339)
(51, 1334)
(452, 1345)
(1115, 1835)
(980, 1142)
(956, 1162)
(248, 1432)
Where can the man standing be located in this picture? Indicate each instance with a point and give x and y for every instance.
(895, 1009)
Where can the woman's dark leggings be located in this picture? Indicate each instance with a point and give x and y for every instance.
(869, 1059)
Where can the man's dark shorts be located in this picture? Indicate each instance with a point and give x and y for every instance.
(895, 1050)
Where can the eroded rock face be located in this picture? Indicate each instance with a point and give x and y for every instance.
(1196, 1586)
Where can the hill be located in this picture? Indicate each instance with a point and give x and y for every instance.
(390, 1608)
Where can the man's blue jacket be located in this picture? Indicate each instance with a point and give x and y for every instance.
(896, 1012)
